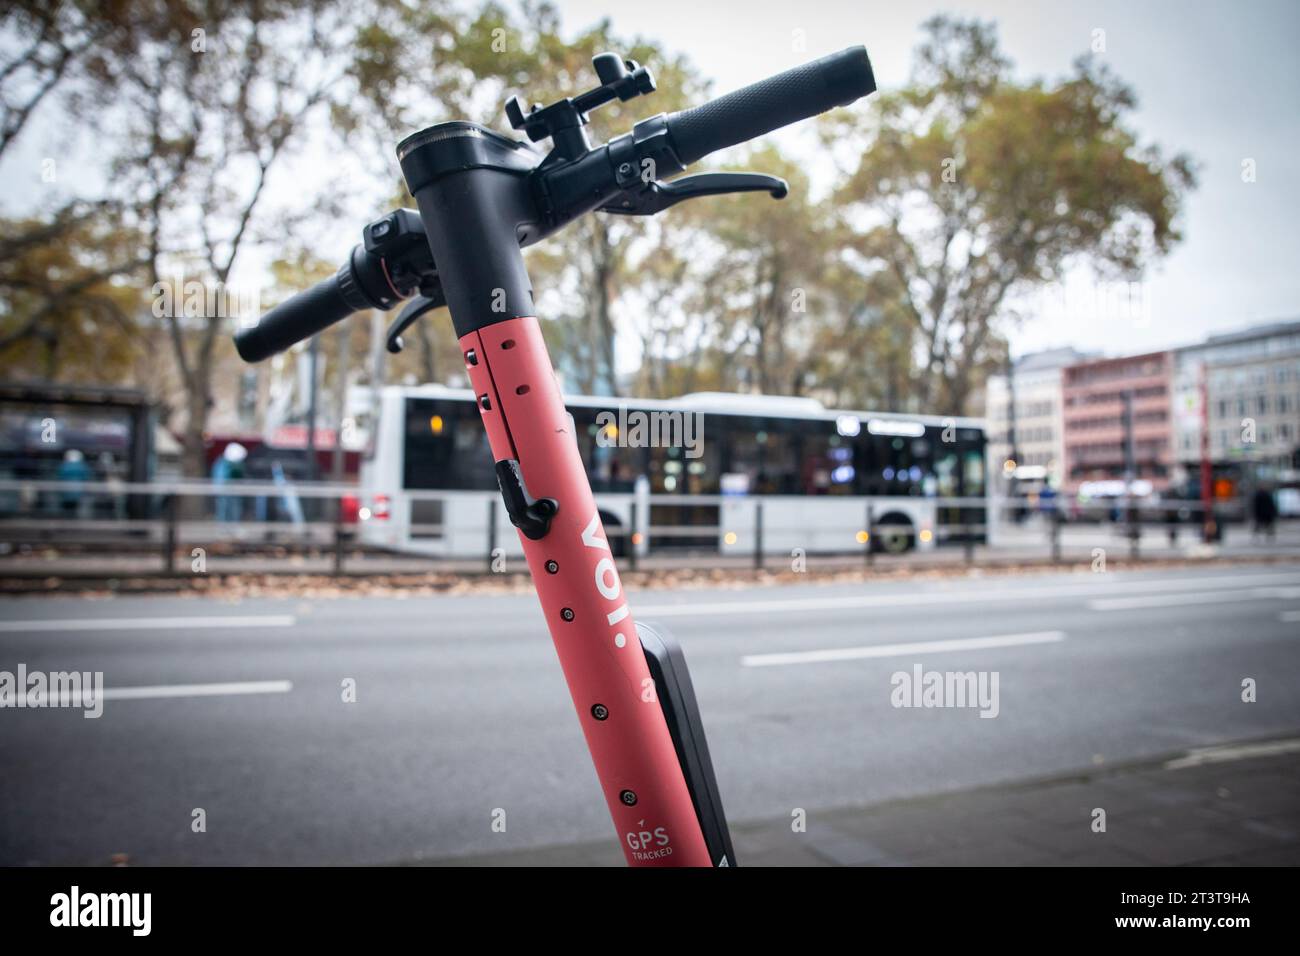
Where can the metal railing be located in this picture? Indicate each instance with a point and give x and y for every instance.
(173, 527)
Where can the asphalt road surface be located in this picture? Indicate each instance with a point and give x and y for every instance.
(237, 708)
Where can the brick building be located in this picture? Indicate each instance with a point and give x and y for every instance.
(1092, 406)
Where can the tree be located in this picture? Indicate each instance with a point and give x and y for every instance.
(765, 287)
(214, 106)
(581, 273)
(967, 188)
(861, 352)
(53, 42)
(675, 323)
(66, 313)
(68, 308)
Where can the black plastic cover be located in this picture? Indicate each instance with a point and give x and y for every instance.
(677, 698)
(454, 147)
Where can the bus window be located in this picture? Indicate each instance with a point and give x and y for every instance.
(870, 480)
(672, 471)
(744, 451)
(703, 471)
(445, 447)
(945, 469)
(887, 465)
(782, 457)
(972, 479)
(970, 442)
(902, 464)
(611, 464)
(828, 462)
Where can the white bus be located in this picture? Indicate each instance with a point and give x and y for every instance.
(714, 471)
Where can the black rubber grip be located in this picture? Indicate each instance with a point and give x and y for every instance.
(298, 317)
(780, 100)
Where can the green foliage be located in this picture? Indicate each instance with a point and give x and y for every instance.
(66, 312)
(959, 192)
(966, 188)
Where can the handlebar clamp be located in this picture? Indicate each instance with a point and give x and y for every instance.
(562, 121)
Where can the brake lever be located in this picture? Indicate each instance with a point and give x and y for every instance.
(658, 196)
(431, 297)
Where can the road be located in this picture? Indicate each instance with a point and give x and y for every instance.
(237, 708)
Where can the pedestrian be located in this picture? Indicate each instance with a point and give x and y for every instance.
(74, 470)
(1173, 514)
(1264, 510)
(229, 467)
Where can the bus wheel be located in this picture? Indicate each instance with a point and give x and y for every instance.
(618, 543)
(895, 534)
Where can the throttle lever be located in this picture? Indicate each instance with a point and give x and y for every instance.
(658, 196)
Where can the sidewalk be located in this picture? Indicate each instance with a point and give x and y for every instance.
(379, 574)
(1235, 805)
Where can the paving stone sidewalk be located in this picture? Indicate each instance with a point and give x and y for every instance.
(1235, 805)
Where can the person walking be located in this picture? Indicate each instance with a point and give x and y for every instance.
(1264, 511)
(74, 470)
(229, 467)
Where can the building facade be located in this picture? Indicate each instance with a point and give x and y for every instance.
(1095, 397)
(1035, 419)
(1251, 379)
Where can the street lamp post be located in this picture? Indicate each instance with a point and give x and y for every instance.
(1130, 470)
(313, 365)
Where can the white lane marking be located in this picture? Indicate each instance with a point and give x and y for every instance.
(69, 699)
(1202, 755)
(1286, 617)
(1205, 597)
(901, 650)
(1285, 593)
(149, 623)
(778, 605)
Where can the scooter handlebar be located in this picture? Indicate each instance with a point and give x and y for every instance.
(296, 318)
(780, 100)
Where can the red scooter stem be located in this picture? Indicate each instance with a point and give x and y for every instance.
(582, 597)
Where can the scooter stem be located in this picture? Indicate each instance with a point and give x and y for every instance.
(583, 599)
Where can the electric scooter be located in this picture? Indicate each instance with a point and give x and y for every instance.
(482, 198)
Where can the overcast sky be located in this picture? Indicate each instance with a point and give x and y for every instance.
(1218, 80)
